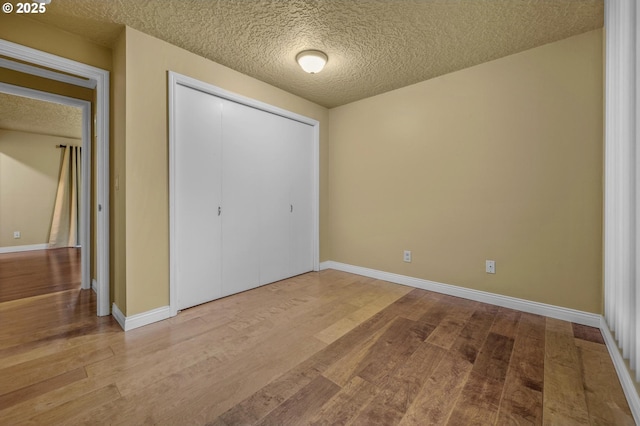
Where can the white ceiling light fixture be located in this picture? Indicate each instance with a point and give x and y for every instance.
(312, 61)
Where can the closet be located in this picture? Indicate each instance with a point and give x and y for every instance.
(242, 196)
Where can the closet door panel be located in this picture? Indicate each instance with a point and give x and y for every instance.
(241, 131)
(275, 201)
(300, 149)
(197, 197)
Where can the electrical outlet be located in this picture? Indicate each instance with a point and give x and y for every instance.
(16, 234)
(407, 256)
(490, 266)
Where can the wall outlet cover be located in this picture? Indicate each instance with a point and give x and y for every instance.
(490, 266)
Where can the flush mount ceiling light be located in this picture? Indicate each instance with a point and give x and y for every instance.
(311, 61)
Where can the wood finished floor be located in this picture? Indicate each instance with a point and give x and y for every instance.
(32, 273)
(322, 348)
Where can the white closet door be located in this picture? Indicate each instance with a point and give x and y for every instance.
(242, 128)
(300, 151)
(275, 202)
(197, 196)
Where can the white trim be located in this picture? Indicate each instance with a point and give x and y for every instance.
(558, 312)
(623, 372)
(85, 208)
(94, 286)
(175, 79)
(183, 80)
(101, 208)
(118, 316)
(17, 249)
(173, 287)
(48, 74)
(141, 319)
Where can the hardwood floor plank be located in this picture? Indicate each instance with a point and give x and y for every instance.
(261, 403)
(38, 272)
(376, 413)
(304, 404)
(564, 399)
(31, 372)
(478, 402)
(85, 334)
(72, 409)
(414, 304)
(407, 380)
(41, 388)
(435, 311)
(521, 402)
(361, 334)
(506, 322)
(590, 334)
(342, 327)
(392, 349)
(152, 347)
(493, 360)
(435, 401)
(474, 333)
(344, 369)
(448, 330)
(345, 405)
(605, 398)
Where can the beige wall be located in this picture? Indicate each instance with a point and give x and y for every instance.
(27, 32)
(146, 158)
(29, 168)
(117, 252)
(501, 161)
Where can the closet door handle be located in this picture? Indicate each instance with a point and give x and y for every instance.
(219, 210)
(291, 208)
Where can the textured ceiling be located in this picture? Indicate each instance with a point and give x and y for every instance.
(373, 45)
(34, 116)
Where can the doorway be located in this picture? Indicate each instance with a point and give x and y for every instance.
(44, 205)
(42, 64)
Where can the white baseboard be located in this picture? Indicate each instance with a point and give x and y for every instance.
(141, 319)
(16, 249)
(94, 285)
(558, 312)
(118, 316)
(624, 375)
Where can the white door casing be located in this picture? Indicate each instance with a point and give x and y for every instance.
(97, 79)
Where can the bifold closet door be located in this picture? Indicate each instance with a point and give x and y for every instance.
(286, 199)
(300, 150)
(242, 131)
(267, 229)
(197, 196)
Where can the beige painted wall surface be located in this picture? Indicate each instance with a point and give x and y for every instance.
(117, 252)
(19, 29)
(146, 165)
(29, 167)
(501, 161)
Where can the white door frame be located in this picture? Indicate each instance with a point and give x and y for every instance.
(92, 77)
(85, 106)
(174, 80)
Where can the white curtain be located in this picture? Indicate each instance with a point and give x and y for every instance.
(65, 222)
(622, 178)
